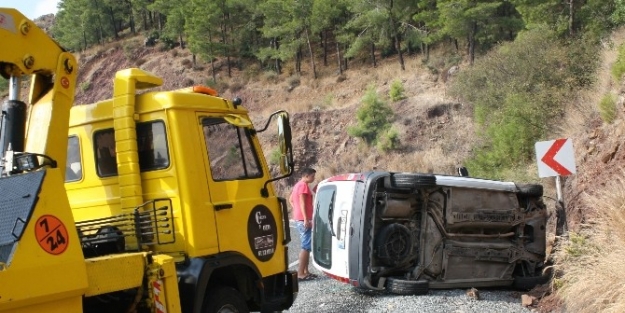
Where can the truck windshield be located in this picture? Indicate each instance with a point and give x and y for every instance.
(322, 231)
(230, 150)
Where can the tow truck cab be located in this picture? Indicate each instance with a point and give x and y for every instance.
(408, 232)
(183, 174)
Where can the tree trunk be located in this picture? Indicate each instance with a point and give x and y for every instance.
(210, 39)
(571, 18)
(338, 57)
(144, 20)
(84, 39)
(224, 40)
(472, 43)
(396, 37)
(276, 45)
(100, 27)
(113, 23)
(345, 60)
(298, 60)
(325, 47)
(373, 55)
(401, 55)
(132, 18)
(312, 55)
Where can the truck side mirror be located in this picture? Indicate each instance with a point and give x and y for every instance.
(463, 171)
(286, 148)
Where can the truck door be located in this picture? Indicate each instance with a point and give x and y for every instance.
(246, 222)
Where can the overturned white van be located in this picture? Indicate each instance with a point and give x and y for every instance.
(409, 232)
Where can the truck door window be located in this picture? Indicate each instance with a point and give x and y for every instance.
(73, 165)
(230, 150)
(151, 144)
(322, 231)
(104, 146)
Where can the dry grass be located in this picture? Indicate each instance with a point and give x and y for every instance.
(584, 109)
(593, 260)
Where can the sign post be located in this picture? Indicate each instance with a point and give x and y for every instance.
(556, 158)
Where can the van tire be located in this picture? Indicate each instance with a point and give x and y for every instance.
(225, 299)
(412, 180)
(394, 244)
(530, 190)
(407, 287)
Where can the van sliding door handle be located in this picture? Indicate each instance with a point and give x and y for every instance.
(219, 207)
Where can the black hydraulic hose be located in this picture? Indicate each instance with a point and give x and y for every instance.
(2, 116)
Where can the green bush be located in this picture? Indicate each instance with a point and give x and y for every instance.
(618, 68)
(389, 141)
(374, 118)
(518, 91)
(607, 108)
(130, 49)
(274, 156)
(397, 91)
(84, 86)
(4, 85)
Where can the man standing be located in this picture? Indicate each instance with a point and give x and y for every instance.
(302, 203)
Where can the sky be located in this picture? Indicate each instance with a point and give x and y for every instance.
(31, 8)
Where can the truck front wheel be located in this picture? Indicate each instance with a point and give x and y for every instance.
(225, 300)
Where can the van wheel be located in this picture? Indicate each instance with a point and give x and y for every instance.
(225, 300)
(411, 180)
(530, 190)
(394, 244)
(407, 287)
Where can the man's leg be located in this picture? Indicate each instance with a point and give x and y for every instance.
(304, 254)
(302, 270)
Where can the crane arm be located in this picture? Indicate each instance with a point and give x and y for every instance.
(25, 49)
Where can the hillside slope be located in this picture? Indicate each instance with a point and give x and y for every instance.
(436, 132)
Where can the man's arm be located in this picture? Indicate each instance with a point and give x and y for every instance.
(302, 205)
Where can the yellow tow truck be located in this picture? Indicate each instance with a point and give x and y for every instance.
(159, 201)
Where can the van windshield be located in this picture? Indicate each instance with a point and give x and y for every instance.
(322, 231)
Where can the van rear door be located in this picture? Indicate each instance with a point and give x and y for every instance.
(331, 230)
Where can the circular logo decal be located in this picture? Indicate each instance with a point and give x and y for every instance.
(64, 82)
(51, 234)
(262, 233)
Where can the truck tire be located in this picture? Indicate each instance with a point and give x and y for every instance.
(412, 180)
(407, 287)
(530, 190)
(225, 300)
(394, 244)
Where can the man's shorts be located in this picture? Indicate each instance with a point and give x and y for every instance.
(304, 235)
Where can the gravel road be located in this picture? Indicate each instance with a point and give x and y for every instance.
(327, 295)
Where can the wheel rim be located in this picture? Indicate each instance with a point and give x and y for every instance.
(228, 308)
(396, 245)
